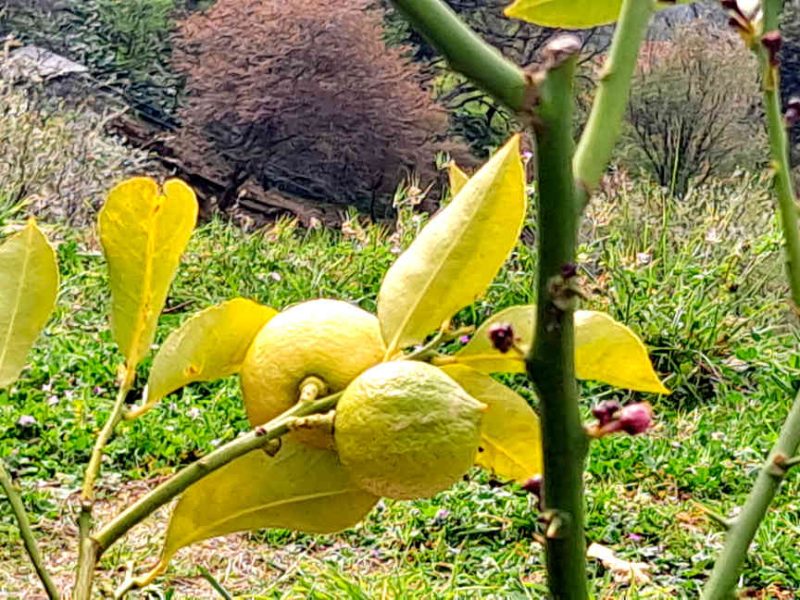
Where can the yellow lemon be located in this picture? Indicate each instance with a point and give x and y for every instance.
(405, 429)
(328, 339)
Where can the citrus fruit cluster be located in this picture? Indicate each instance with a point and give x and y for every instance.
(402, 429)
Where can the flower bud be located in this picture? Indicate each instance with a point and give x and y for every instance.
(605, 411)
(502, 336)
(636, 418)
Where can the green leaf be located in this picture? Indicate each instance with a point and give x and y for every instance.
(456, 256)
(210, 345)
(28, 291)
(605, 350)
(571, 14)
(301, 488)
(511, 443)
(143, 232)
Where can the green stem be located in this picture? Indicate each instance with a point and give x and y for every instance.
(27, 533)
(467, 53)
(596, 145)
(729, 563)
(551, 361)
(163, 493)
(87, 551)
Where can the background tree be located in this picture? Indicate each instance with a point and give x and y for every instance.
(267, 98)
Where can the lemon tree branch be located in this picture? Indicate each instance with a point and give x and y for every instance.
(26, 533)
(551, 360)
(468, 54)
(602, 129)
(257, 438)
(740, 535)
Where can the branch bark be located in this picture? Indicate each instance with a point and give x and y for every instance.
(551, 362)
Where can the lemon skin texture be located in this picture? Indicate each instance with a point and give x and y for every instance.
(404, 429)
(328, 339)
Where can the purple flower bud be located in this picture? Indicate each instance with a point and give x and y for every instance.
(635, 537)
(772, 41)
(464, 339)
(502, 336)
(605, 411)
(636, 418)
(534, 485)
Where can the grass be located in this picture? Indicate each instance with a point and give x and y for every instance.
(700, 280)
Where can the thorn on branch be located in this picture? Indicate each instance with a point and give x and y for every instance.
(780, 464)
(557, 524)
(725, 523)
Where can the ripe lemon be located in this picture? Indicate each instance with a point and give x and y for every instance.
(404, 429)
(328, 339)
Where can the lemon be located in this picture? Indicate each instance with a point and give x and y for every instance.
(405, 429)
(328, 339)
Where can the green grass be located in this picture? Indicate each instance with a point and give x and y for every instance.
(701, 281)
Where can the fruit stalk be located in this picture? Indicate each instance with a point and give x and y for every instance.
(551, 361)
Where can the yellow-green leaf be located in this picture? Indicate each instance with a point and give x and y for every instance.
(571, 14)
(458, 179)
(608, 351)
(210, 345)
(301, 488)
(456, 256)
(605, 350)
(511, 443)
(144, 232)
(28, 290)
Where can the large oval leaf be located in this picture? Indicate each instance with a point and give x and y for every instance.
(301, 488)
(144, 233)
(456, 256)
(511, 443)
(571, 14)
(605, 350)
(210, 345)
(28, 290)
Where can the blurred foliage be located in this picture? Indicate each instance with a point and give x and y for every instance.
(126, 45)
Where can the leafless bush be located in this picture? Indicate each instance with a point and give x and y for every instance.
(694, 109)
(305, 97)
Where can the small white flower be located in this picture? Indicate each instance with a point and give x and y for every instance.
(26, 421)
(643, 259)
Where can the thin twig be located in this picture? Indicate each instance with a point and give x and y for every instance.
(27, 533)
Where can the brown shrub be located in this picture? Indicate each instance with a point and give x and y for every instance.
(305, 97)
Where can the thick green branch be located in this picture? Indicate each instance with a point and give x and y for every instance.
(603, 127)
(26, 533)
(162, 494)
(743, 529)
(467, 53)
(551, 362)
